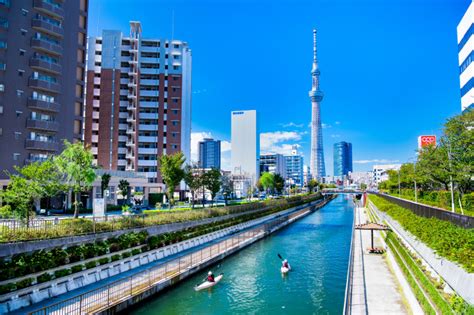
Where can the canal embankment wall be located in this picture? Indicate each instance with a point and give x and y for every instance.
(57, 288)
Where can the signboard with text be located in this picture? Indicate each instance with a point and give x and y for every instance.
(426, 140)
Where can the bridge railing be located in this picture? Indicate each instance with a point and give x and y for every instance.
(348, 292)
(426, 211)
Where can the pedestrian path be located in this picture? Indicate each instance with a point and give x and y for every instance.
(375, 290)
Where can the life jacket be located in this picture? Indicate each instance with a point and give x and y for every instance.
(210, 278)
(285, 265)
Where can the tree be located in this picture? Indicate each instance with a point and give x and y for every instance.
(312, 184)
(75, 163)
(267, 181)
(171, 167)
(104, 183)
(227, 186)
(212, 182)
(33, 181)
(124, 188)
(363, 186)
(192, 178)
(278, 183)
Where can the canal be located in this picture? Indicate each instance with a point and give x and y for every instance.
(317, 248)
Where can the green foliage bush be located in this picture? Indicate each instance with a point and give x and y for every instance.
(447, 239)
(104, 261)
(116, 257)
(136, 251)
(6, 212)
(62, 273)
(77, 268)
(91, 264)
(45, 277)
(6, 288)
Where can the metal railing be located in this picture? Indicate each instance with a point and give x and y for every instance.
(348, 292)
(107, 296)
(422, 210)
(12, 230)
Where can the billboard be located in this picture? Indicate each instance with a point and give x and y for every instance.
(426, 140)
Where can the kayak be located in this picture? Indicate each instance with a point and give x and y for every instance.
(285, 270)
(207, 284)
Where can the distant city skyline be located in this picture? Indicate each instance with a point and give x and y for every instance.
(373, 75)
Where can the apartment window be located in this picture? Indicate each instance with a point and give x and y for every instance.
(5, 2)
(166, 67)
(1, 131)
(22, 52)
(175, 78)
(24, 12)
(79, 73)
(44, 77)
(18, 113)
(83, 5)
(19, 93)
(175, 57)
(175, 111)
(78, 109)
(79, 91)
(81, 39)
(175, 67)
(17, 135)
(175, 122)
(21, 72)
(1, 109)
(43, 97)
(97, 64)
(97, 75)
(23, 31)
(3, 66)
(3, 44)
(80, 55)
(16, 156)
(82, 21)
(77, 127)
(175, 100)
(2, 87)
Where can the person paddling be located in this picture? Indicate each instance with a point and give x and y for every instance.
(285, 264)
(210, 277)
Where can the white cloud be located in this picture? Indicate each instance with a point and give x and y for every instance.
(375, 161)
(273, 142)
(337, 122)
(199, 136)
(325, 126)
(292, 124)
(335, 136)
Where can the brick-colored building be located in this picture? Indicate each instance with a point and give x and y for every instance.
(138, 100)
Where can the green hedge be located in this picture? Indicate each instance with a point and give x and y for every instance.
(448, 240)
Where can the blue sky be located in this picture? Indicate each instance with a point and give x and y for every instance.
(389, 69)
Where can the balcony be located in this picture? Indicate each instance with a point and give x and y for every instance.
(40, 64)
(44, 85)
(47, 27)
(131, 119)
(48, 8)
(51, 126)
(130, 143)
(47, 46)
(42, 105)
(41, 145)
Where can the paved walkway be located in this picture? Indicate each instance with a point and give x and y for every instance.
(375, 289)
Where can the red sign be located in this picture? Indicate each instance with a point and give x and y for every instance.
(424, 141)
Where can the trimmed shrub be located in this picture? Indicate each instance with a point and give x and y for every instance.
(126, 255)
(45, 277)
(6, 288)
(24, 283)
(77, 268)
(136, 251)
(62, 273)
(104, 261)
(91, 264)
(115, 257)
(75, 253)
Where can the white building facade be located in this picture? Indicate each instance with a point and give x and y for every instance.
(380, 172)
(245, 144)
(465, 31)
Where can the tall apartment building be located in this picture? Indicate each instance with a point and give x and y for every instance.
(245, 144)
(380, 172)
(294, 167)
(210, 153)
(273, 163)
(465, 31)
(138, 100)
(342, 158)
(42, 61)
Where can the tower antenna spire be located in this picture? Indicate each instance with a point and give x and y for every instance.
(315, 55)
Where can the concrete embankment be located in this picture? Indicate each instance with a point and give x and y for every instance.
(117, 289)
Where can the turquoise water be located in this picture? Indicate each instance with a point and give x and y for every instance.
(317, 247)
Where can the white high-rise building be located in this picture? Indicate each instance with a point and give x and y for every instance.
(465, 32)
(245, 144)
(380, 172)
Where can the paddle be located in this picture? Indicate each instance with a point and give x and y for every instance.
(279, 256)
